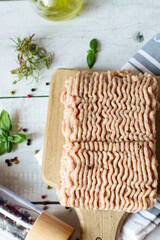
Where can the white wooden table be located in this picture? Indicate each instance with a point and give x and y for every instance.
(114, 23)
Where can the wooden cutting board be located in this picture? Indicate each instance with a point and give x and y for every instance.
(94, 224)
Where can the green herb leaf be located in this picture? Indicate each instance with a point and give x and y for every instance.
(31, 59)
(8, 146)
(19, 138)
(3, 133)
(91, 58)
(10, 138)
(14, 82)
(6, 141)
(5, 121)
(2, 148)
(3, 136)
(90, 51)
(94, 44)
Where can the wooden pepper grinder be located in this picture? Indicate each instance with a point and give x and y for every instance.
(23, 220)
(48, 227)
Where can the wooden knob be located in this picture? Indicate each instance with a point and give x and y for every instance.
(48, 227)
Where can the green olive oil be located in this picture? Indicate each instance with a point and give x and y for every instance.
(58, 10)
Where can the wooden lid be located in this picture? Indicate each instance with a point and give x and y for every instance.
(48, 227)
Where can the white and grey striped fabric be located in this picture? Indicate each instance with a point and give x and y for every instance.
(146, 59)
(138, 225)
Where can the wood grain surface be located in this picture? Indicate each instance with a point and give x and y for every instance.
(115, 23)
(49, 227)
(93, 223)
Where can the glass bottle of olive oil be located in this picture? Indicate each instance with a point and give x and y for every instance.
(57, 10)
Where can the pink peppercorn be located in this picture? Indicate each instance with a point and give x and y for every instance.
(29, 95)
(43, 196)
(45, 208)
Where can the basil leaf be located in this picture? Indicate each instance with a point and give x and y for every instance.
(19, 138)
(8, 146)
(3, 133)
(10, 138)
(5, 121)
(91, 58)
(90, 51)
(94, 44)
(2, 148)
(95, 51)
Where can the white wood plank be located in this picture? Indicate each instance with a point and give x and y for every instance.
(25, 178)
(114, 23)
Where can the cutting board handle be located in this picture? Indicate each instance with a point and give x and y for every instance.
(100, 225)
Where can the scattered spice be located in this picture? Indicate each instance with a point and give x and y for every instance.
(25, 129)
(16, 162)
(68, 209)
(48, 187)
(28, 141)
(88, 167)
(139, 147)
(29, 96)
(19, 129)
(9, 164)
(45, 207)
(60, 181)
(12, 160)
(43, 196)
(47, 83)
(139, 37)
(36, 151)
(33, 89)
(31, 59)
(12, 92)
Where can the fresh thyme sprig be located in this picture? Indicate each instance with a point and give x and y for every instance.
(31, 59)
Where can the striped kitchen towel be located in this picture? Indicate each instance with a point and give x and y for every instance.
(146, 59)
(138, 225)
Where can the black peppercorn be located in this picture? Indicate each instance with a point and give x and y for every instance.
(33, 89)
